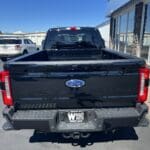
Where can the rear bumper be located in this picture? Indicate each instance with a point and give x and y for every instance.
(96, 119)
(9, 55)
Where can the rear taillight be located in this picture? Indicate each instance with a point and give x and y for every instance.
(143, 84)
(18, 47)
(5, 88)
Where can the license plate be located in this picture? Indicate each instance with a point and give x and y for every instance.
(75, 116)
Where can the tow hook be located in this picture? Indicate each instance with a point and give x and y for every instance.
(85, 135)
(75, 135)
(66, 135)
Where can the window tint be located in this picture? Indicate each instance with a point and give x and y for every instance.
(130, 47)
(26, 41)
(123, 27)
(145, 52)
(10, 41)
(30, 42)
(124, 32)
(117, 32)
(82, 38)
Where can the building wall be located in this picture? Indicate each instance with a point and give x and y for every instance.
(130, 29)
(36, 37)
(104, 29)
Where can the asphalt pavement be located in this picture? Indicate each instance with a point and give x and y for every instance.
(126, 139)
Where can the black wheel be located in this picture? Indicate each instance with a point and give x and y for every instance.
(25, 52)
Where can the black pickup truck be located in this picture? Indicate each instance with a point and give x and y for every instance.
(74, 86)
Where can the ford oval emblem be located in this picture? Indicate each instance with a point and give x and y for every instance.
(75, 83)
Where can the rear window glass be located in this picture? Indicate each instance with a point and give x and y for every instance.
(82, 38)
(10, 41)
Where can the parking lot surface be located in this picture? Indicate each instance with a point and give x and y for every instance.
(127, 139)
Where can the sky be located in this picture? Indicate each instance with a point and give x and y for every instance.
(40, 15)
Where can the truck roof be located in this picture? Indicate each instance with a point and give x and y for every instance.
(72, 27)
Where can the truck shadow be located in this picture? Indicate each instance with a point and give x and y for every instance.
(123, 134)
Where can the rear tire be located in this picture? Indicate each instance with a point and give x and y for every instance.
(25, 52)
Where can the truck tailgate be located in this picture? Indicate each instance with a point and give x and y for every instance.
(45, 86)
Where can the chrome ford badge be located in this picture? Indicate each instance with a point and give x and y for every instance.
(75, 83)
